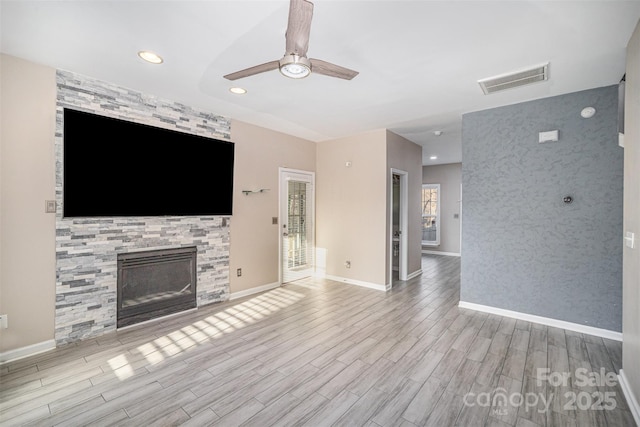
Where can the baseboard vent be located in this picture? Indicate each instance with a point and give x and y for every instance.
(511, 80)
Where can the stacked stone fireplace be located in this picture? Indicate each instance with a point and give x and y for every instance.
(88, 249)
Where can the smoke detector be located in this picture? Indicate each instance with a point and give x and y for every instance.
(539, 73)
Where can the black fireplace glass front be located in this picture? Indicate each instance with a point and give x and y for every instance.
(155, 283)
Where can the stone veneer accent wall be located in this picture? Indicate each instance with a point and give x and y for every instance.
(86, 249)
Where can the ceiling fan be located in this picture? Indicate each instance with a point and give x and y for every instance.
(295, 63)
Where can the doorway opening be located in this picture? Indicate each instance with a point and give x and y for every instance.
(398, 235)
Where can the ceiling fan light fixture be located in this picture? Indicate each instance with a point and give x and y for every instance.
(295, 67)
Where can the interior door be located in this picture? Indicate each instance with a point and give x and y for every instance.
(297, 227)
(398, 212)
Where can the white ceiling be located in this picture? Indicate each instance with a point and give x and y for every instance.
(419, 61)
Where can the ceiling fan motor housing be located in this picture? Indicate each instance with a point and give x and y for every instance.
(294, 66)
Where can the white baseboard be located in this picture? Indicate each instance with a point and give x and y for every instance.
(414, 274)
(576, 327)
(634, 406)
(426, 251)
(357, 282)
(30, 350)
(256, 290)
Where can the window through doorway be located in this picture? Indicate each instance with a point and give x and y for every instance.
(431, 214)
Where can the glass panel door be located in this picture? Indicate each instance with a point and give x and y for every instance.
(297, 196)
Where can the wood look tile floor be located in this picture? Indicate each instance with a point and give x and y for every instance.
(322, 353)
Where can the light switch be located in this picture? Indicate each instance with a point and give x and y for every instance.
(50, 206)
(629, 239)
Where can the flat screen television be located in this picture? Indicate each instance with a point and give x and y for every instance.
(117, 168)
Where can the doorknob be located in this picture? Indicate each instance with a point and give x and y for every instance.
(285, 234)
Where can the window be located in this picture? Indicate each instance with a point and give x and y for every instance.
(431, 214)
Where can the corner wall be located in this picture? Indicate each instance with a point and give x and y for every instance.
(27, 179)
(351, 207)
(254, 239)
(404, 155)
(631, 291)
(524, 249)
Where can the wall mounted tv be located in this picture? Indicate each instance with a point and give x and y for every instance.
(116, 168)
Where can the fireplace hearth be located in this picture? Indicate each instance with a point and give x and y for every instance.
(155, 283)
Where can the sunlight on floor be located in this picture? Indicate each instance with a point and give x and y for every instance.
(200, 332)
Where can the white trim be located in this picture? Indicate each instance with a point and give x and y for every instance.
(414, 274)
(425, 251)
(357, 283)
(634, 406)
(30, 350)
(576, 327)
(256, 290)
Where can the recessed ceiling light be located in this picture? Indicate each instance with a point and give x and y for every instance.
(238, 90)
(437, 133)
(151, 57)
(433, 158)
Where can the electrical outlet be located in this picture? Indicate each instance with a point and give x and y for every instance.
(4, 321)
(347, 264)
(239, 271)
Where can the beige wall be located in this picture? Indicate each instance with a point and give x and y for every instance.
(351, 207)
(405, 155)
(631, 257)
(449, 177)
(27, 179)
(254, 239)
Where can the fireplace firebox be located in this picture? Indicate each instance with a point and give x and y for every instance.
(155, 283)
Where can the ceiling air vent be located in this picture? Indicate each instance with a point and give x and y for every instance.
(539, 73)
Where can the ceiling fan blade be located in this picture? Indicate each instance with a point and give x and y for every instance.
(273, 65)
(299, 27)
(328, 69)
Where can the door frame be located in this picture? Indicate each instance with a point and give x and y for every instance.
(281, 172)
(403, 226)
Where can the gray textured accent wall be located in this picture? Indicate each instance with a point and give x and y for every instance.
(525, 250)
(86, 249)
